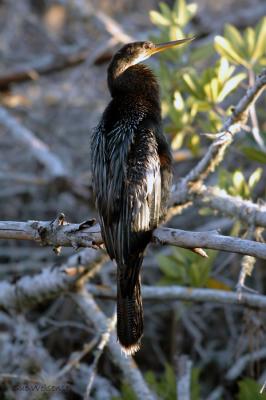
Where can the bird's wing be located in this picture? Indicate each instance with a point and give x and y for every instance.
(128, 190)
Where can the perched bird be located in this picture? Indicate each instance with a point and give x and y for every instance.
(132, 174)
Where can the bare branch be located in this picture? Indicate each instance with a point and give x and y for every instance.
(88, 235)
(51, 282)
(100, 348)
(243, 361)
(173, 293)
(183, 377)
(245, 210)
(209, 240)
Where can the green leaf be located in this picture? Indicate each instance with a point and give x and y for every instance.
(234, 36)
(260, 47)
(178, 101)
(238, 179)
(166, 11)
(250, 389)
(158, 19)
(249, 36)
(214, 89)
(254, 154)
(254, 178)
(224, 47)
(169, 266)
(224, 71)
(230, 85)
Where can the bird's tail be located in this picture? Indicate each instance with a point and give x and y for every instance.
(129, 315)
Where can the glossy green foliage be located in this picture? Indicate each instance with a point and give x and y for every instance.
(184, 267)
(249, 389)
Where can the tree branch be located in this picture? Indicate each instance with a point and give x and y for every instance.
(173, 293)
(51, 282)
(245, 210)
(87, 234)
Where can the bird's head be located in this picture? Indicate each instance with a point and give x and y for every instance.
(136, 52)
(130, 55)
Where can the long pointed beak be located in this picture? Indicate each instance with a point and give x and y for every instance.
(163, 46)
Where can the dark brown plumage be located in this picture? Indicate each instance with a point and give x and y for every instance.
(131, 164)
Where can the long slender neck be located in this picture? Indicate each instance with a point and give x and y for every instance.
(136, 80)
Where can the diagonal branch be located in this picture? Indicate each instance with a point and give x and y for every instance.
(245, 210)
(51, 282)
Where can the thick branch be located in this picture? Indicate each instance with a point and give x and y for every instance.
(245, 210)
(209, 240)
(215, 153)
(51, 282)
(86, 235)
(173, 293)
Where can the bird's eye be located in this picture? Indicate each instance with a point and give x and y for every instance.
(146, 46)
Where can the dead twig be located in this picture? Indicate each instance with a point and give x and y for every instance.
(100, 348)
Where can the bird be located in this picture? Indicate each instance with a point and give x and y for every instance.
(132, 176)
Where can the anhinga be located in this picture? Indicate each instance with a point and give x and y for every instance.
(131, 165)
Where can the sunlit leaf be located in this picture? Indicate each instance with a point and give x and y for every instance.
(254, 178)
(158, 19)
(249, 36)
(260, 47)
(166, 11)
(192, 8)
(230, 85)
(224, 47)
(223, 70)
(238, 179)
(191, 84)
(214, 89)
(178, 101)
(234, 36)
